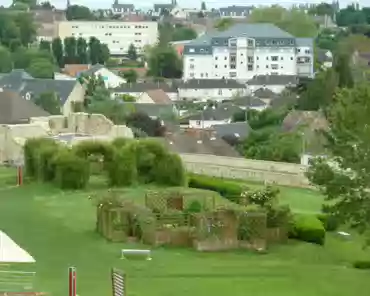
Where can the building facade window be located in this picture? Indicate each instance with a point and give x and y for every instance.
(274, 58)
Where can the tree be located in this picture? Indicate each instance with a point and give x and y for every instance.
(294, 21)
(141, 121)
(112, 109)
(224, 24)
(78, 12)
(130, 76)
(26, 26)
(9, 32)
(70, 50)
(343, 69)
(184, 33)
(203, 6)
(322, 9)
(20, 6)
(41, 68)
(30, 3)
(5, 60)
(82, 54)
(58, 52)
(23, 57)
(132, 54)
(128, 98)
(94, 50)
(45, 45)
(344, 177)
(50, 102)
(104, 53)
(350, 16)
(164, 62)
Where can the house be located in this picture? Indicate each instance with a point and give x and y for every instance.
(250, 102)
(16, 110)
(210, 89)
(137, 89)
(62, 76)
(122, 9)
(235, 11)
(246, 50)
(163, 111)
(325, 58)
(275, 83)
(118, 35)
(212, 116)
(239, 130)
(154, 96)
(111, 79)
(69, 91)
(75, 70)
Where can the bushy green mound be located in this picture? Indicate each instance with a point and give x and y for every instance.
(308, 228)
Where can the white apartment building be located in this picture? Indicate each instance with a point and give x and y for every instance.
(118, 35)
(245, 51)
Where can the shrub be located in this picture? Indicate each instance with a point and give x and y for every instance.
(278, 216)
(194, 207)
(363, 264)
(122, 170)
(169, 170)
(72, 171)
(120, 142)
(227, 189)
(308, 228)
(266, 197)
(91, 147)
(46, 167)
(329, 221)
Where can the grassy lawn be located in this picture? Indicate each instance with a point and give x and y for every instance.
(57, 228)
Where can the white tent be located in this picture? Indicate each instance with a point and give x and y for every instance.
(10, 252)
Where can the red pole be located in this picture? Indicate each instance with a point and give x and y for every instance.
(19, 176)
(72, 279)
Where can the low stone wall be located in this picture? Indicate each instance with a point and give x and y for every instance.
(255, 170)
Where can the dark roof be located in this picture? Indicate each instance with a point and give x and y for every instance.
(14, 109)
(210, 83)
(142, 87)
(238, 129)
(158, 7)
(22, 83)
(264, 93)
(93, 69)
(273, 80)
(247, 101)
(222, 112)
(326, 56)
(183, 142)
(153, 110)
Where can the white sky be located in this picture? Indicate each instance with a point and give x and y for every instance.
(185, 3)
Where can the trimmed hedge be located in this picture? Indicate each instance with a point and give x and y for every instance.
(329, 221)
(169, 170)
(362, 264)
(308, 228)
(227, 189)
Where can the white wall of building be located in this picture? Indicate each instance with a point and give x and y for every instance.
(114, 94)
(111, 80)
(205, 94)
(206, 123)
(117, 35)
(275, 88)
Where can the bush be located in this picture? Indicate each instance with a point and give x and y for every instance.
(363, 264)
(308, 228)
(228, 190)
(329, 221)
(72, 171)
(194, 207)
(278, 216)
(120, 142)
(169, 170)
(46, 167)
(122, 170)
(86, 148)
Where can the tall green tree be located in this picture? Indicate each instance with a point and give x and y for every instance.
(30, 3)
(203, 6)
(183, 33)
(344, 176)
(50, 102)
(58, 51)
(9, 32)
(82, 54)
(5, 60)
(164, 62)
(70, 50)
(132, 54)
(94, 50)
(23, 57)
(104, 53)
(130, 76)
(78, 12)
(26, 26)
(343, 69)
(45, 45)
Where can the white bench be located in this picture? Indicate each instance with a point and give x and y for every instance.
(137, 253)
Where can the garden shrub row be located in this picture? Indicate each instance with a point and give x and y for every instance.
(307, 228)
(125, 162)
(227, 189)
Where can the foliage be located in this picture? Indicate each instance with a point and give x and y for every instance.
(5, 60)
(78, 12)
(88, 148)
(344, 176)
(50, 102)
(164, 62)
(227, 189)
(72, 171)
(194, 207)
(45, 45)
(342, 67)
(132, 54)
(112, 109)
(169, 170)
(41, 68)
(329, 221)
(363, 264)
(308, 228)
(267, 197)
(350, 16)
(128, 98)
(224, 24)
(322, 9)
(130, 76)
(122, 170)
(262, 119)
(279, 216)
(184, 33)
(140, 120)
(293, 21)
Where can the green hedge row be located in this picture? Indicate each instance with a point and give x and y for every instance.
(227, 189)
(125, 162)
(307, 228)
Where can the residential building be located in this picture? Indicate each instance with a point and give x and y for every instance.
(210, 89)
(250, 102)
(137, 89)
(275, 83)
(154, 111)
(111, 79)
(239, 130)
(16, 110)
(212, 116)
(117, 35)
(154, 96)
(122, 9)
(160, 9)
(68, 91)
(235, 11)
(247, 50)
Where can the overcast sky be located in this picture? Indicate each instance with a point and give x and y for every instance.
(184, 3)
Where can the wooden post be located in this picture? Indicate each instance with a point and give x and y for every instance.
(19, 175)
